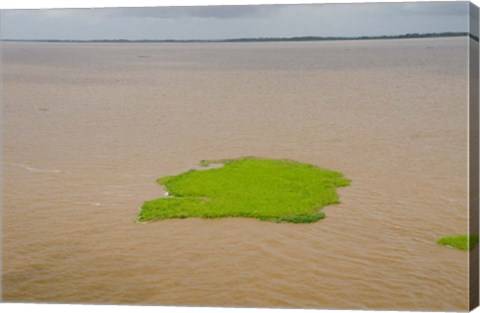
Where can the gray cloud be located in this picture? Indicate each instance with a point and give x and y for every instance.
(436, 8)
(221, 12)
(220, 22)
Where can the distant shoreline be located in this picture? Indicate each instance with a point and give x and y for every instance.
(261, 39)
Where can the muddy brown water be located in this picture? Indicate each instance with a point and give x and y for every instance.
(87, 128)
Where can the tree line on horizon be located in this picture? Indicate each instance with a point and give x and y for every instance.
(262, 39)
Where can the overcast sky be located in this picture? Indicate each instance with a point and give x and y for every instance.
(222, 22)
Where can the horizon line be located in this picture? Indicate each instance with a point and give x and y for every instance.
(256, 39)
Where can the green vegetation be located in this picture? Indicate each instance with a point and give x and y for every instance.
(296, 218)
(270, 190)
(462, 242)
(263, 39)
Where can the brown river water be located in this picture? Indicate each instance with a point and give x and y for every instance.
(87, 129)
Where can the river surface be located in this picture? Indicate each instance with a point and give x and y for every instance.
(88, 128)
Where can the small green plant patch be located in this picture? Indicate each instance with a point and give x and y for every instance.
(270, 190)
(462, 242)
